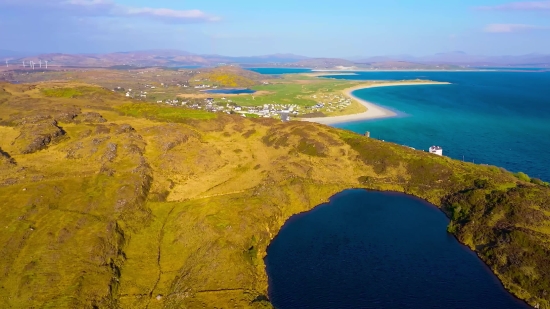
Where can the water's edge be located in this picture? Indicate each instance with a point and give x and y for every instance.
(471, 250)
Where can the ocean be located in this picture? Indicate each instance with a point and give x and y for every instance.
(492, 117)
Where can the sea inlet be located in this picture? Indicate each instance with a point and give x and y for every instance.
(367, 249)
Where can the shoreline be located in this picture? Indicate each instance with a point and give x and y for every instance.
(406, 70)
(373, 111)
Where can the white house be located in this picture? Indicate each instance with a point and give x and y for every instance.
(436, 150)
(285, 115)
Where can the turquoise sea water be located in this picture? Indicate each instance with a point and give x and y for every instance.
(497, 118)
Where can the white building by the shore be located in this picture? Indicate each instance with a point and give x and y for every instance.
(436, 150)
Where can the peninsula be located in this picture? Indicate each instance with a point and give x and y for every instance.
(110, 202)
(373, 111)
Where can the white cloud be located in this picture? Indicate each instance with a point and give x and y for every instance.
(85, 26)
(169, 14)
(89, 2)
(519, 6)
(108, 8)
(509, 28)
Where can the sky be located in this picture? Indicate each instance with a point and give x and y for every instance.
(315, 28)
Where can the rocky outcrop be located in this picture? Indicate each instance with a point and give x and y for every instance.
(6, 159)
(91, 117)
(37, 136)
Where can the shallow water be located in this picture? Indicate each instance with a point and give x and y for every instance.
(377, 250)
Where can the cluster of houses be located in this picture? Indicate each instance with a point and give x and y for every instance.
(331, 102)
(270, 110)
(229, 107)
(141, 94)
(326, 103)
(205, 86)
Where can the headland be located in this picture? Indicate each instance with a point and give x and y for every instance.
(373, 111)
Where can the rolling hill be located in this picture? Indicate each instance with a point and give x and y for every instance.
(111, 203)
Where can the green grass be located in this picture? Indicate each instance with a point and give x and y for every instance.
(186, 209)
(73, 92)
(164, 113)
(61, 92)
(289, 92)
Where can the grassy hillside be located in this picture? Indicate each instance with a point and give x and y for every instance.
(108, 203)
(227, 76)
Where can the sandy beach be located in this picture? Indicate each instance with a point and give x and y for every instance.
(373, 111)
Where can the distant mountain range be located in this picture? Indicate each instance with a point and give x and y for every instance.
(462, 58)
(175, 58)
(171, 58)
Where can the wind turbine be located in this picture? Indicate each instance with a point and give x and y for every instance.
(7, 65)
(24, 64)
(40, 63)
(46, 63)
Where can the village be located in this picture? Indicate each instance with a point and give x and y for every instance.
(325, 103)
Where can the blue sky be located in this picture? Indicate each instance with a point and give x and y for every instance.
(326, 28)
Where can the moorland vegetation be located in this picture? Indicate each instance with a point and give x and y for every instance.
(108, 202)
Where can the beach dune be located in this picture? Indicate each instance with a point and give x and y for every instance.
(373, 111)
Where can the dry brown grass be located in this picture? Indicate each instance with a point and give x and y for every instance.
(114, 214)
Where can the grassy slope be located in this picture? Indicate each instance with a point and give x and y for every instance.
(157, 208)
(227, 77)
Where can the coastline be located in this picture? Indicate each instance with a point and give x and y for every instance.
(373, 111)
(405, 70)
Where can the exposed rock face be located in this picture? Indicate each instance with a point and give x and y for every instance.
(91, 117)
(102, 129)
(37, 136)
(124, 128)
(5, 159)
(110, 152)
(66, 115)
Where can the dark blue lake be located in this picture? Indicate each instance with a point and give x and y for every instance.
(378, 250)
(230, 91)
